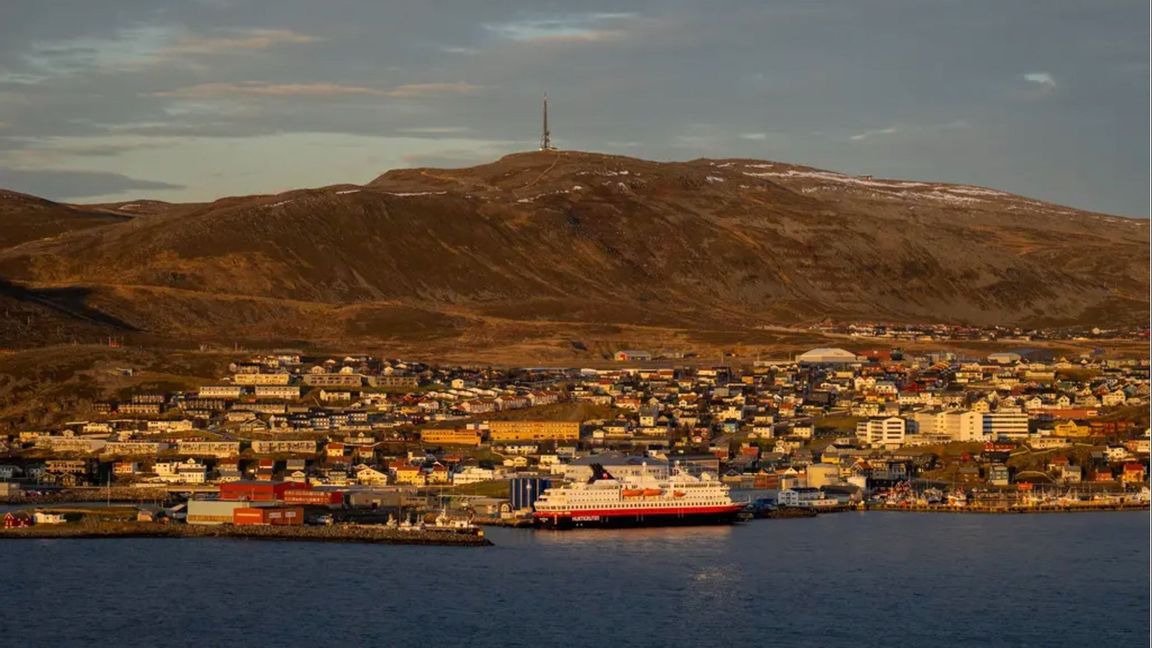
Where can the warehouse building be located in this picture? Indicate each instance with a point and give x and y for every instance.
(826, 355)
(212, 511)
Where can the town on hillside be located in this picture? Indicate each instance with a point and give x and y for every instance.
(828, 429)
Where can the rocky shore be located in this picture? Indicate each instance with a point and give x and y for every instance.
(336, 533)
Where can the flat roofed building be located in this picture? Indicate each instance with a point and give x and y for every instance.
(220, 391)
(285, 392)
(451, 436)
(297, 446)
(499, 431)
(1011, 425)
(209, 448)
(333, 379)
(279, 378)
(396, 382)
(888, 432)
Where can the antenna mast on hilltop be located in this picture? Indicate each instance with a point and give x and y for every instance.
(546, 135)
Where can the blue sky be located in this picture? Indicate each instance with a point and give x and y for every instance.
(192, 100)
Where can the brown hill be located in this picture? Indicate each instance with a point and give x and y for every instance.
(28, 218)
(553, 245)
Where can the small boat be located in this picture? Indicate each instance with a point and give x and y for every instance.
(652, 492)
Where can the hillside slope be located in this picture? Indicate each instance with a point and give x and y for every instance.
(550, 239)
(26, 218)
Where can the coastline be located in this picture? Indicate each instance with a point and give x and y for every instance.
(1011, 510)
(337, 533)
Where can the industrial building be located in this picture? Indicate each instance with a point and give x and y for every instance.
(268, 515)
(824, 355)
(266, 491)
(212, 511)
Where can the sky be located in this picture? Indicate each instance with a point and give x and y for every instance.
(190, 100)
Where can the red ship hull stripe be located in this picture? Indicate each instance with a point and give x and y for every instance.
(696, 510)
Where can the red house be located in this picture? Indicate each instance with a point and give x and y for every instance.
(13, 521)
(1133, 473)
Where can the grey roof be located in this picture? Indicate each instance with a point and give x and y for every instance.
(614, 459)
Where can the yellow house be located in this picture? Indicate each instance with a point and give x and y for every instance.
(1070, 429)
(371, 477)
(408, 474)
(439, 475)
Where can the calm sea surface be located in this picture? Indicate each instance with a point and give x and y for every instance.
(852, 579)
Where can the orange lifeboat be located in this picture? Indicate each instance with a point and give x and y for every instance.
(652, 492)
(678, 493)
(632, 492)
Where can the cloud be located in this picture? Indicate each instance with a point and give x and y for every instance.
(143, 47)
(261, 89)
(49, 151)
(873, 133)
(754, 136)
(434, 130)
(253, 39)
(423, 89)
(1044, 79)
(576, 28)
(59, 184)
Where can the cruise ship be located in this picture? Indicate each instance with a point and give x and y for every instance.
(604, 501)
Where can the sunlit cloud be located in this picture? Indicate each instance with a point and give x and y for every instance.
(142, 48)
(253, 39)
(754, 136)
(874, 133)
(422, 89)
(433, 130)
(261, 89)
(577, 28)
(258, 89)
(1043, 79)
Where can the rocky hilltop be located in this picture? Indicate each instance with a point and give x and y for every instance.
(548, 240)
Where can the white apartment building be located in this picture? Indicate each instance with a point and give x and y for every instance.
(1006, 424)
(889, 432)
(286, 392)
(220, 391)
(962, 426)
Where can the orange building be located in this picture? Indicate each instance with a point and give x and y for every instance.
(451, 436)
(533, 431)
